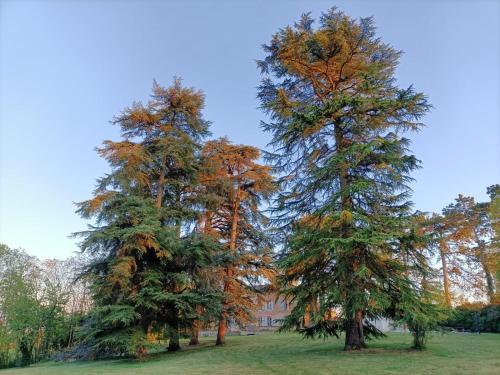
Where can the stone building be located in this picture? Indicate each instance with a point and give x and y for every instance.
(267, 317)
(270, 314)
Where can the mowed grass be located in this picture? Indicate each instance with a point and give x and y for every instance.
(290, 354)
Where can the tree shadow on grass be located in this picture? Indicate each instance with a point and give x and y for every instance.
(375, 347)
(203, 346)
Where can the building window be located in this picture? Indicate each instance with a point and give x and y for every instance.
(261, 321)
(269, 306)
(269, 321)
(284, 306)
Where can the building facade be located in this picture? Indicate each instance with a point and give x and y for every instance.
(267, 317)
(271, 312)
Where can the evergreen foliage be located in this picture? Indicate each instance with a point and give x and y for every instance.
(146, 255)
(337, 120)
(240, 183)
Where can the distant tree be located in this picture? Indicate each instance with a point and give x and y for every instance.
(494, 213)
(427, 312)
(61, 275)
(464, 240)
(452, 262)
(241, 183)
(33, 321)
(20, 307)
(337, 120)
(472, 234)
(69, 296)
(145, 255)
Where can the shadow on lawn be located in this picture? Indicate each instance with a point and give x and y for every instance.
(375, 347)
(163, 354)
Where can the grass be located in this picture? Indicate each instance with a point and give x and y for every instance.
(290, 354)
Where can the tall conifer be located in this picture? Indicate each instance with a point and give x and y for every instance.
(146, 259)
(241, 183)
(337, 119)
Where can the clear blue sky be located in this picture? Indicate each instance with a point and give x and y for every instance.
(66, 67)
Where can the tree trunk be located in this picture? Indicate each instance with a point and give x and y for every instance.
(354, 336)
(221, 332)
(70, 336)
(25, 354)
(306, 319)
(418, 333)
(446, 280)
(161, 182)
(174, 344)
(141, 353)
(194, 338)
(490, 284)
(195, 332)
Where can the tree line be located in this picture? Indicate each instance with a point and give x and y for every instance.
(41, 306)
(180, 239)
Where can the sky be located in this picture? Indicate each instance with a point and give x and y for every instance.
(67, 67)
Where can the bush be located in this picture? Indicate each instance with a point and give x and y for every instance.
(7, 348)
(475, 317)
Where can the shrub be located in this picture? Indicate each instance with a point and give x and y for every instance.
(475, 317)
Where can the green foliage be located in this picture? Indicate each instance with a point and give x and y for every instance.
(239, 184)
(337, 121)
(421, 319)
(475, 317)
(7, 347)
(145, 257)
(33, 320)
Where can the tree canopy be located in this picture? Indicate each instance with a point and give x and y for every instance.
(145, 251)
(337, 120)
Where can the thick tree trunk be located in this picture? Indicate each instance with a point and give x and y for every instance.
(354, 336)
(490, 283)
(174, 341)
(221, 332)
(174, 344)
(194, 340)
(195, 330)
(446, 280)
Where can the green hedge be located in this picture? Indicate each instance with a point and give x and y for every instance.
(474, 317)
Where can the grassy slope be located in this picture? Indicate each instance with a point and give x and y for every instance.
(289, 354)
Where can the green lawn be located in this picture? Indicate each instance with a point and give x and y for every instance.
(290, 354)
